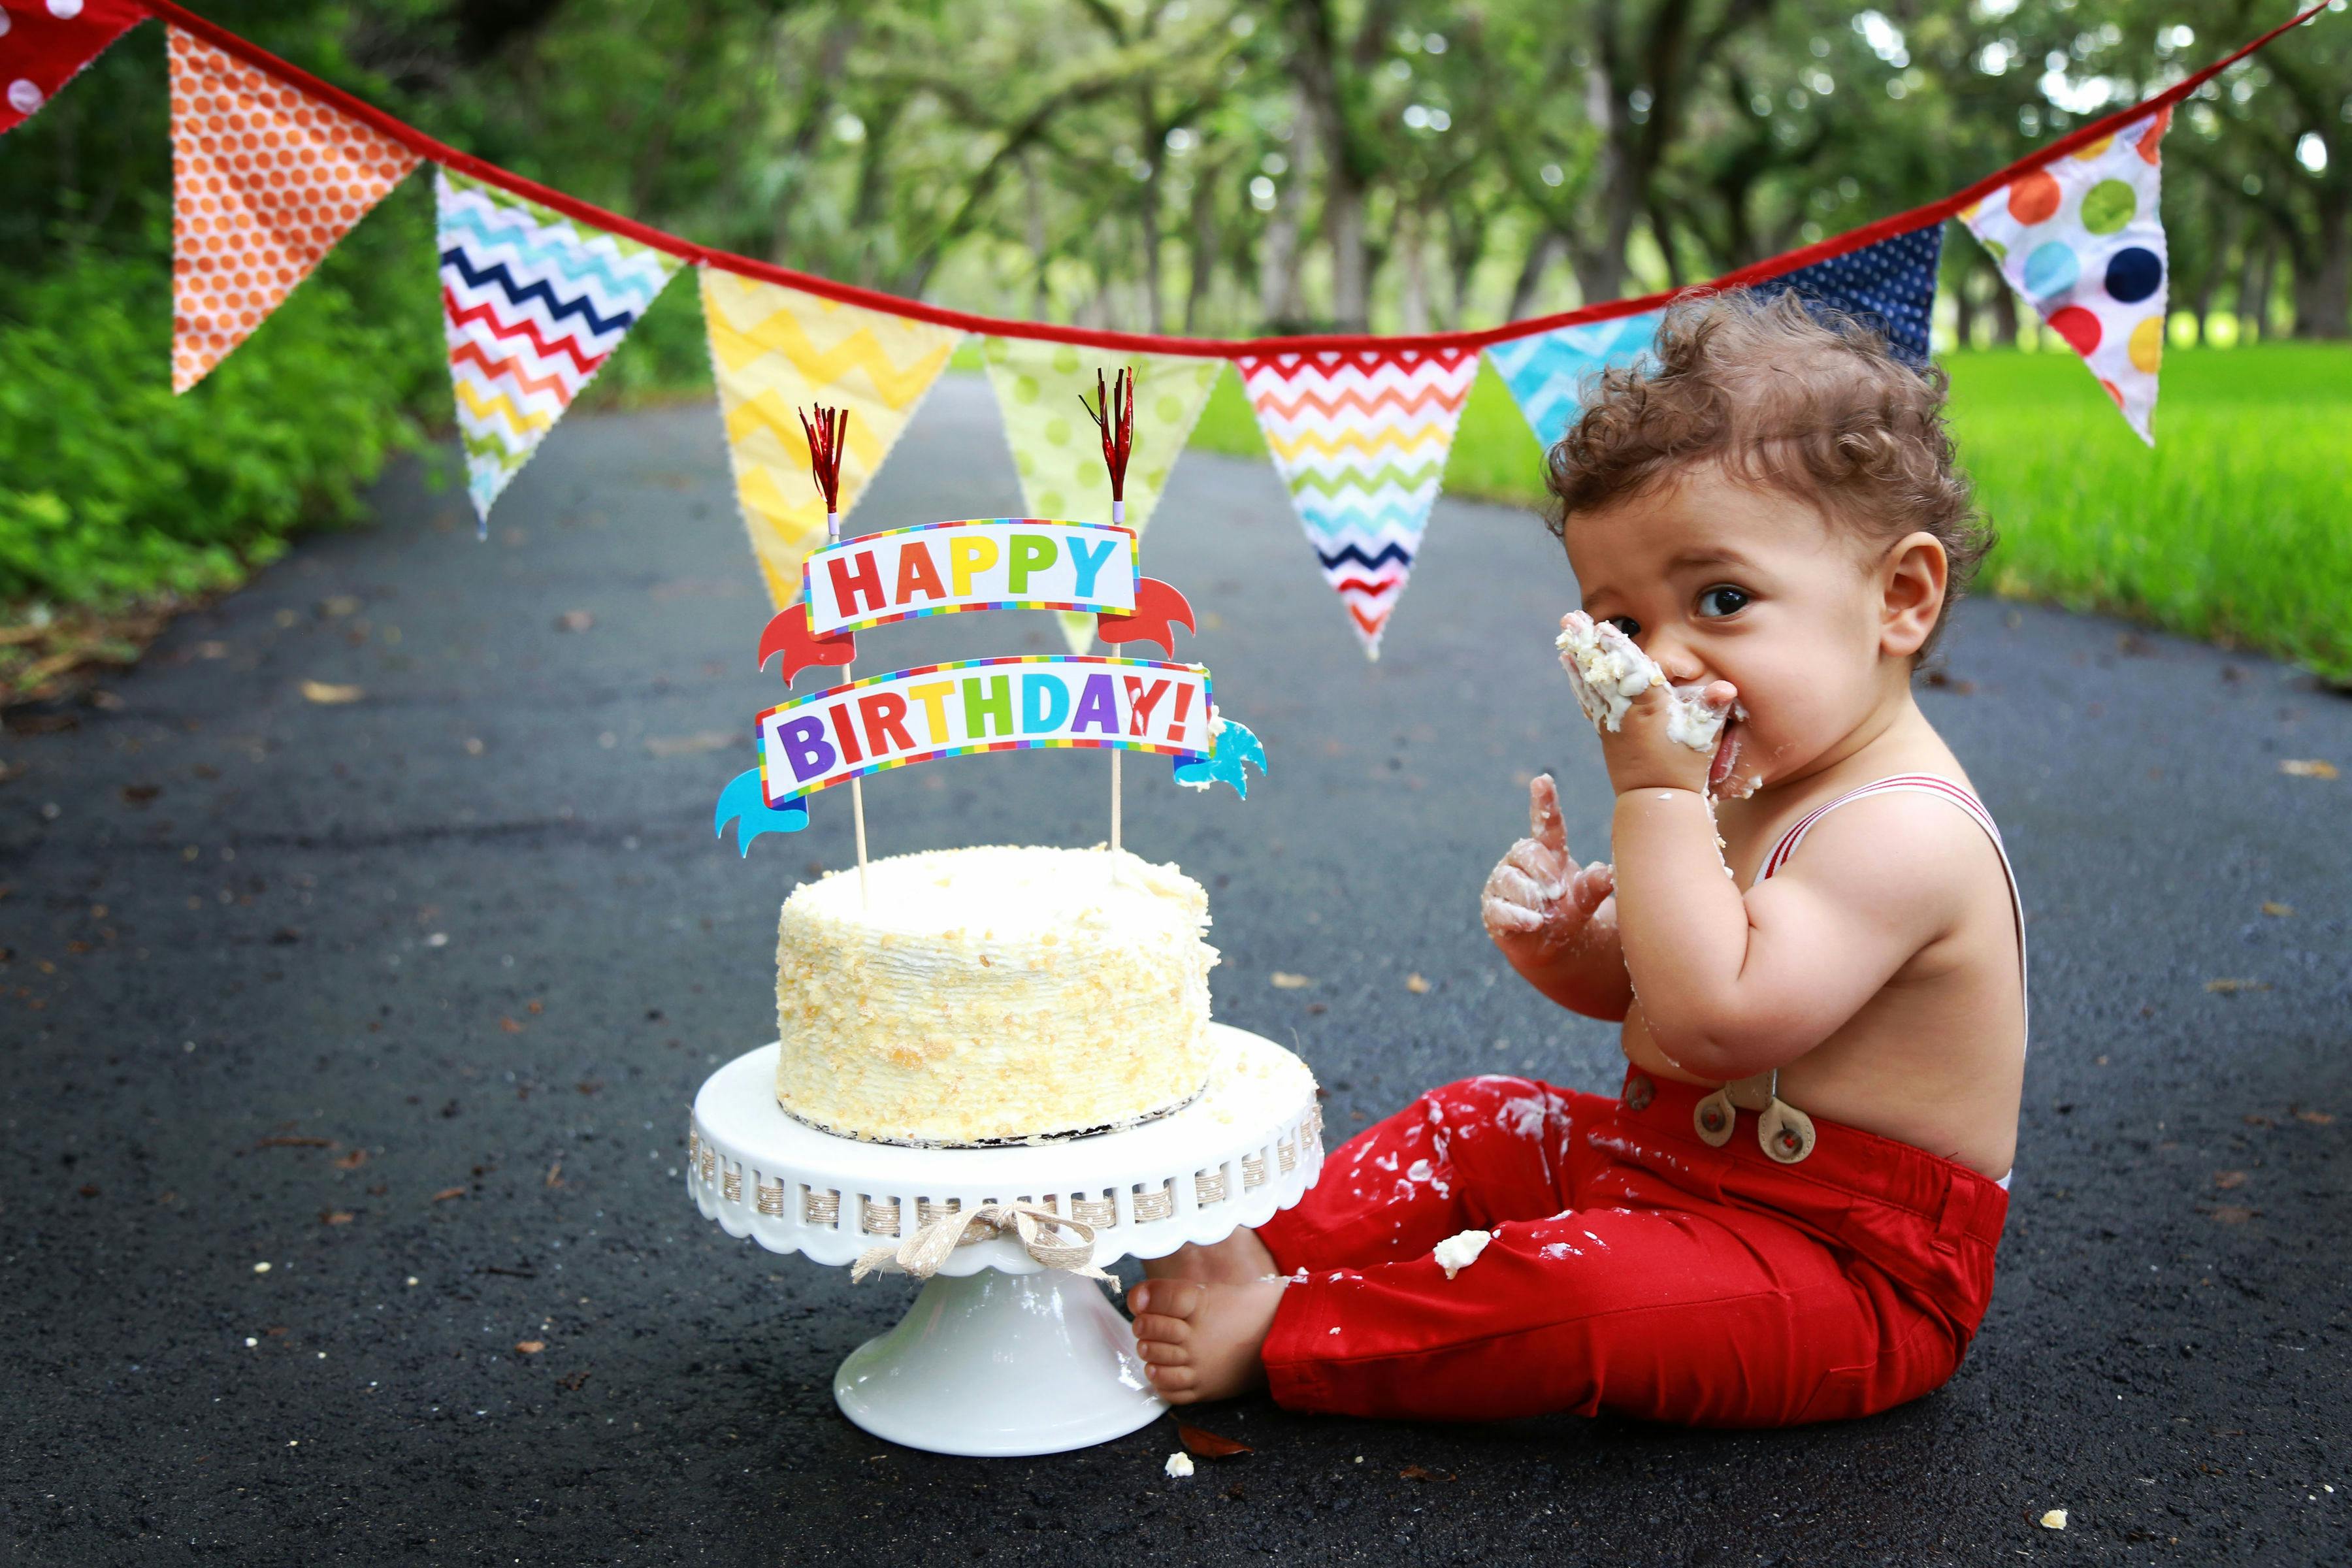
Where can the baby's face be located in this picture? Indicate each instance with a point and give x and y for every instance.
(1722, 581)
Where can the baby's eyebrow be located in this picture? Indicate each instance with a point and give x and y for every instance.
(1711, 557)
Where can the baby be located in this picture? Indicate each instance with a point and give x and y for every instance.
(1790, 1212)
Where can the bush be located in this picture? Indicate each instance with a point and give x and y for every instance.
(111, 487)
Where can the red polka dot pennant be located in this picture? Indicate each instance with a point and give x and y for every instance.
(45, 42)
(264, 182)
(2081, 239)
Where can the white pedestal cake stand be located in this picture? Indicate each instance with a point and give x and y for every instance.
(999, 1355)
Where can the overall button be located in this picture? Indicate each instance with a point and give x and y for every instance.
(1639, 1091)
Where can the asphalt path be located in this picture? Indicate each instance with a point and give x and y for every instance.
(405, 994)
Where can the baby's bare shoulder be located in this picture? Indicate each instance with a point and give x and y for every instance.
(1904, 850)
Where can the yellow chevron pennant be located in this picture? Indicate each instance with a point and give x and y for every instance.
(776, 349)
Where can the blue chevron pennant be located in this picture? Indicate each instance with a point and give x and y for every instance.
(533, 303)
(1546, 372)
(1890, 286)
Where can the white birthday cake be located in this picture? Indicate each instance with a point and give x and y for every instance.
(993, 995)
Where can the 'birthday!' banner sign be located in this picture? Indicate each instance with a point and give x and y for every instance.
(982, 563)
(982, 705)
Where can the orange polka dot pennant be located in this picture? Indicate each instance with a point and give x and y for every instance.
(2080, 238)
(264, 182)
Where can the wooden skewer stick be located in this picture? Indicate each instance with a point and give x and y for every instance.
(1113, 412)
(828, 434)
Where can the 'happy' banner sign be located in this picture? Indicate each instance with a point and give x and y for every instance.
(982, 705)
(985, 564)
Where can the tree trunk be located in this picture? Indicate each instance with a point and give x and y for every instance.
(1155, 160)
(2004, 308)
(1343, 225)
(1204, 245)
(1414, 244)
(1523, 291)
(2323, 291)
(1466, 246)
(1964, 311)
(1037, 257)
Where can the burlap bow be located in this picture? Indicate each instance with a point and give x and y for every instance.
(921, 1253)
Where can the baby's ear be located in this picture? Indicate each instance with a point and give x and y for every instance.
(1912, 582)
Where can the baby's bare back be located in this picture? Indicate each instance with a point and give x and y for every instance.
(1935, 1056)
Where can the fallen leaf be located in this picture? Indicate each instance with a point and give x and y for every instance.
(575, 1381)
(2232, 987)
(2229, 1181)
(2054, 1519)
(531, 1347)
(1208, 1445)
(2231, 1214)
(88, 1191)
(2252, 1120)
(1416, 984)
(350, 1161)
(446, 1194)
(509, 1025)
(290, 1142)
(2277, 912)
(140, 794)
(327, 693)
(337, 1216)
(2307, 768)
(575, 621)
(555, 1174)
(1420, 1473)
(1285, 981)
(2316, 1117)
(691, 745)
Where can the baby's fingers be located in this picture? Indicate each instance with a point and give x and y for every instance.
(1544, 825)
(1590, 887)
(1501, 916)
(1514, 886)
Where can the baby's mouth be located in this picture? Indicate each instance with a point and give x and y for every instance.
(1727, 755)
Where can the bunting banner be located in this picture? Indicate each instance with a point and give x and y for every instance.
(775, 349)
(2080, 239)
(1056, 448)
(48, 42)
(1360, 436)
(532, 304)
(1546, 372)
(1890, 286)
(264, 181)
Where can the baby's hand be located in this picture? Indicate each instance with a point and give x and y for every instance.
(1641, 755)
(1537, 903)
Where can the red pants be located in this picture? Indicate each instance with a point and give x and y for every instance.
(1634, 1268)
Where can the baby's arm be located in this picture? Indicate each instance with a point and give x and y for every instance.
(1732, 984)
(1558, 925)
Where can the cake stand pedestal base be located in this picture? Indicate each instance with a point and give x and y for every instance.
(993, 1365)
(999, 1355)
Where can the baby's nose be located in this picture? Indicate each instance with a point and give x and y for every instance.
(1682, 666)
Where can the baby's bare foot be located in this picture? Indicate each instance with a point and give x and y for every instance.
(1240, 1259)
(1200, 1339)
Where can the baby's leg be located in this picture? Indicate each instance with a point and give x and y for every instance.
(1697, 1314)
(1466, 1157)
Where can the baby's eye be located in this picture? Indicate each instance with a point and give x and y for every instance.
(1722, 600)
(1626, 624)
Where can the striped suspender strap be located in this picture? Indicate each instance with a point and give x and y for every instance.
(1914, 784)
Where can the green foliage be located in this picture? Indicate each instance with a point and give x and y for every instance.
(111, 487)
(2231, 530)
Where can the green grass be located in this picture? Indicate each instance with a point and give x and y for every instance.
(2236, 529)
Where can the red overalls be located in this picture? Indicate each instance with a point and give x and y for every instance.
(1634, 1267)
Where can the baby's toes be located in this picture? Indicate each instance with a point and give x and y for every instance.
(1173, 1384)
(1162, 1352)
(1154, 1329)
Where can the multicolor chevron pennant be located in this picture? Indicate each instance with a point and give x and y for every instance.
(1057, 451)
(533, 303)
(1360, 436)
(773, 349)
(1546, 372)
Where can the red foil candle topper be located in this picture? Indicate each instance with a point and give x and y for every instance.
(827, 434)
(1113, 412)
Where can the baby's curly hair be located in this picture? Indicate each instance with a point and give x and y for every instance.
(1798, 396)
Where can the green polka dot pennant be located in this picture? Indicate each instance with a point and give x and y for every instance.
(1056, 448)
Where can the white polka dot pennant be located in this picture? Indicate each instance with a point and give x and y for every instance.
(2081, 239)
(1058, 448)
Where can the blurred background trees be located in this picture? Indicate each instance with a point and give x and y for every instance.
(1235, 166)
(1213, 167)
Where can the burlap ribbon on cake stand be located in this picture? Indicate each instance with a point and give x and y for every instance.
(922, 1252)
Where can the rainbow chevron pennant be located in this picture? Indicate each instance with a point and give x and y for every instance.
(1360, 436)
(533, 304)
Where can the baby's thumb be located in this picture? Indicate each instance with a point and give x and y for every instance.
(1544, 825)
